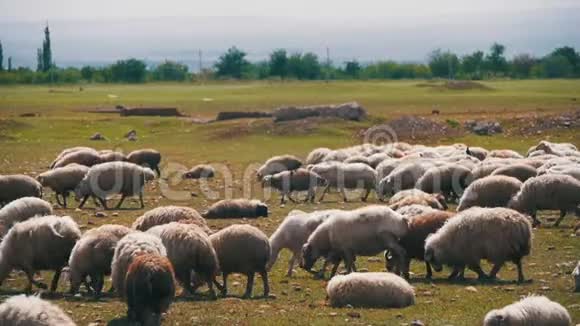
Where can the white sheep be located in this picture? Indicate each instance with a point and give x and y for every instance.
(167, 214)
(297, 180)
(413, 210)
(17, 186)
(129, 247)
(519, 171)
(505, 153)
(278, 164)
(405, 176)
(87, 157)
(68, 151)
(343, 176)
(449, 179)
(111, 178)
(146, 157)
(237, 208)
(40, 243)
(491, 191)
(20, 210)
(531, 310)
(201, 171)
(22, 310)
(63, 180)
(548, 191)
(189, 249)
(317, 155)
(478, 152)
(502, 235)
(370, 290)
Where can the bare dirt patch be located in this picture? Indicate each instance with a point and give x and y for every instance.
(414, 128)
(537, 124)
(247, 127)
(456, 85)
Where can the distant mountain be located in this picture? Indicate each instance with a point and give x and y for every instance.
(76, 43)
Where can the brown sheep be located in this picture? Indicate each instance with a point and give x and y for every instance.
(146, 157)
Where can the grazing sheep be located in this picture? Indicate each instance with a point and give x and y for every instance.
(92, 256)
(502, 235)
(548, 191)
(293, 233)
(22, 310)
(150, 288)
(237, 208)
(571, 170)
(111, 178)
(127, 249)
(386, 167)
(202, 171)
(376, 159)
(17, 186)
(68, 151)
(189, 249)
(420, 226)
(364, 231)
(358, 159)
(557, 149)
(317, 155)
(167, 214)
(520, 171)
(146, 157)
(20, 210)
(419, 197)
(370, 290)
(403, 177)
(40, 243)
(491, 191)
(63, 180)
(505, 153)
(412, 210)
(297, 180)
(112, 156)
(576, 275)
(478, 152)
(450, 180)
(531, 310)
(343, 176)
(278, 164)
(243, 249)
(87, 157)
(485, 169)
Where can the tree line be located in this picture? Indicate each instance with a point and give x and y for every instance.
(562, 62)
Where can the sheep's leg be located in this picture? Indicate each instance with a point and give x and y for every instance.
(457, 273)
(249, 286)
(480, 273)
(83, 201)
(141, 199)
(224, 288)
(55, 278)
(320, 274)
(334, 268)
(535, 221)
(99, 284)
(563, 213)
(495, 270)
(264, 275)
(291, 264)
(324, 192)
(291, 199)
(429, 274)
(283, 198)
(348, 262)
(103, 203)
(343, 192)
(185, 279)
(521, 278)
(31, 281)
(123, 196)
(156, 169)
(364, 198)
(58, 199)
(64, 197)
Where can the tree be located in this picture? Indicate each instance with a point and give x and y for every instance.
(87, 73)
(571, 55)
(9, 63)
(232, 63)
(1, 58)
(170, 70)
(131, 71)
(279, 63)
(46, 51)
(472, 64)
(443, 64)
(496, 60)
(521, 65)
(352, 68)
(310, 66)
(556, 66)
(39, 60)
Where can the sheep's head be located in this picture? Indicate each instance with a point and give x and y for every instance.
(266, 181)
(148, 174)
(441, 199)
(497, 318)
(262, 210)
(431, 258)
(309, 257)
(81, 190)
(40, 178)
(391, 265)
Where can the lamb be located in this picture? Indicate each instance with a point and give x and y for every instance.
(416, 196)
(201, 171)
(502, 235)
(548, 191)
(21, 210)
(168, 214)
(88, 157)
(237, 208)
(40, 243)
(92, 255)
(317, 155)
(63, 180)
(413, 210)
(520, 171)
(531, 310)
(477, 152)
(576, 275)
(17, 186)
(22, 310)
(298, 180)
(150, 288)
(364, 231)
(370, 290)
(420, 226)
(189, 249)
(450, 180)
(505, 153)
(127, 249)
(243, 249)
(68, 151)
(278, 164)
(492, 191)
(293, 233)
(110, 178)
(146, 157)
(347, 176)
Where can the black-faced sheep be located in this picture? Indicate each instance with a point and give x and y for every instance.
(502, 235)
(168, 214)
(22, 310)
(86, 157)
(237, 208)
(149, 289)
(111, 178)
(343, 176)
(420, 226)
(63, 180)
(20, 210)
(477, 152)
(548, 191)
(17, 186)
(297, 180)
(40, 243)
(450, 180)
(532, 310)
(278, 164)
(202, 171)
(370, 290)
(243, 249)
(520, 171)
(189, 249)
(491, 191)
(146, 157)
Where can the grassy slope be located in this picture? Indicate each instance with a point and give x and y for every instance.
(29, 144)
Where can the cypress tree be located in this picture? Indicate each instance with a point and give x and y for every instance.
(39, 60)
(46, 50)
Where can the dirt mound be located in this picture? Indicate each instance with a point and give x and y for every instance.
(537, 124)
(411, 128)
(346, 111)
(456, 85)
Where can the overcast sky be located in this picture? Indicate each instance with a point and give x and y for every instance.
(102, 31)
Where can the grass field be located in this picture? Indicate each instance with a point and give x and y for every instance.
(28, 145)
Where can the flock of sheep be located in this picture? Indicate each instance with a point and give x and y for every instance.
(498, 194)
